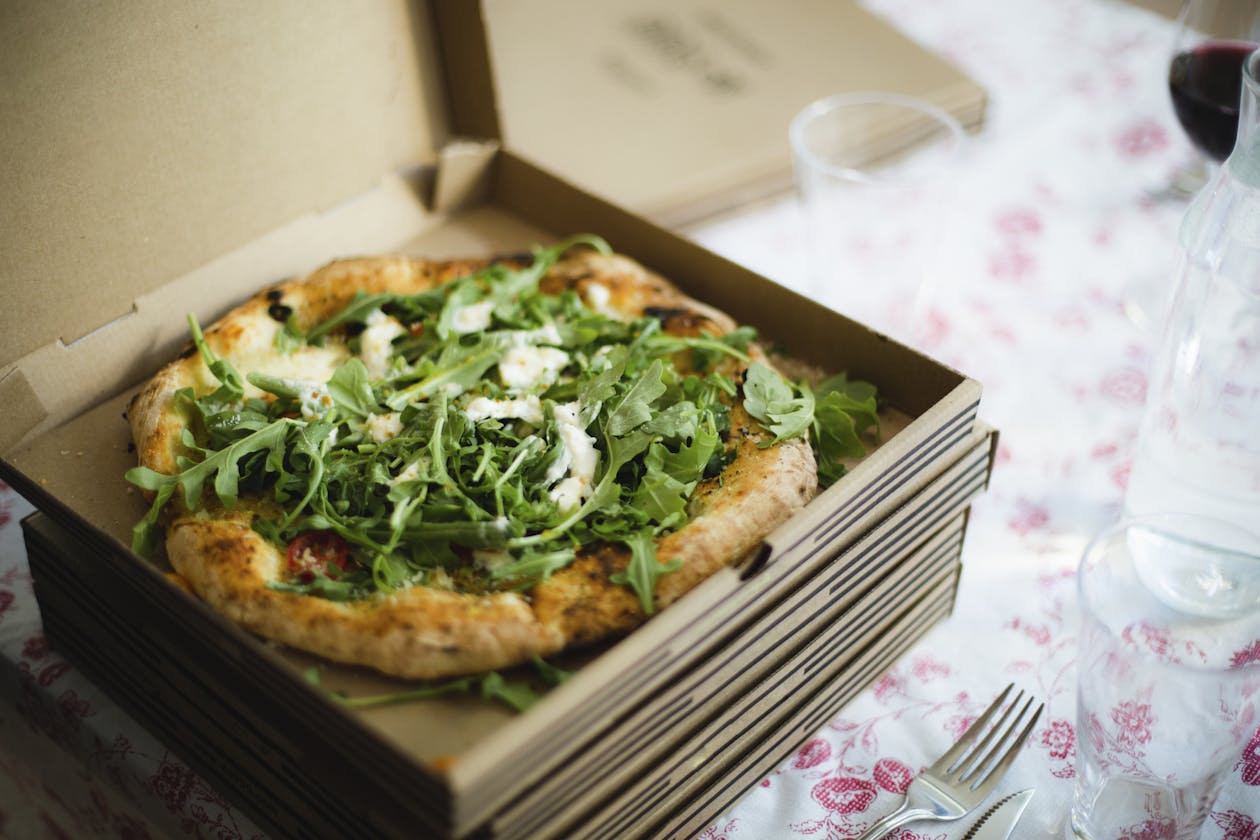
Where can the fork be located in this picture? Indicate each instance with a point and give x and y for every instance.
(963, 777)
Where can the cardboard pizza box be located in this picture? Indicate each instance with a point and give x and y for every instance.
(678, 109)
(182, 691)
(297, 798)
(175, 160)
(188, 680)
(803, 611)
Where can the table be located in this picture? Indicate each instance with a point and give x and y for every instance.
(1061, 218)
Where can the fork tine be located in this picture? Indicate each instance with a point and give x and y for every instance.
(994, 774)
(948, 760)
(988, 747)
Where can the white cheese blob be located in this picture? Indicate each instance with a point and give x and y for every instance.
(580, 458)
(472, 318)
(596, 296)
(492, 560)
(410, 473)
(383, 427)
(547, 334)
(437, 578)
(376, 343)
(524, 367)
(527, 408)
(312, 397)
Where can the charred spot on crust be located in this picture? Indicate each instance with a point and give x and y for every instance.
(188, 351)
(677, 319)
(664, 313)
(609, 559)
(521, 257)
(279, 312)
(274, 295)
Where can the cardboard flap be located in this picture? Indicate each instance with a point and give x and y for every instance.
(140, 142)
(679, 109)
(23, 408)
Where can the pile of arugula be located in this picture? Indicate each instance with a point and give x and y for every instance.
(412, 507)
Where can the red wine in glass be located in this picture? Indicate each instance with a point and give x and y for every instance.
(1206, 87)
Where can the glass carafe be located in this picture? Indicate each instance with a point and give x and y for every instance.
(1198, 448)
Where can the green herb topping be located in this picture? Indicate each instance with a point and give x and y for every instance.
(480, 433)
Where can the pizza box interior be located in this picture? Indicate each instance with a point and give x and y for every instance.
(182, 165)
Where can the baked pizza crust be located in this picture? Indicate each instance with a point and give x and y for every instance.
(421, 632)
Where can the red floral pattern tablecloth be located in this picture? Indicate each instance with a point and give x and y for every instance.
(1060, 224)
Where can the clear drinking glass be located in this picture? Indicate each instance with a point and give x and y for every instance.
(873, 171)
(1198, 447)
(1165, 698)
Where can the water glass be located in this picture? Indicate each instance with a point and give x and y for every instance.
(874, 175)
(1165, 698)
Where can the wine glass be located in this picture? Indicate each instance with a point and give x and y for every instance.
(1205, 75)
(1212, 39)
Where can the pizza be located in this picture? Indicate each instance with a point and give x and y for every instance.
(444, 468)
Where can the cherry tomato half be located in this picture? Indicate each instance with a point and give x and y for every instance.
(315, 551)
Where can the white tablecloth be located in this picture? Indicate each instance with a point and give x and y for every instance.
(1058, 223)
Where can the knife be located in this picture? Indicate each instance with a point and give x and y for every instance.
(999, 821)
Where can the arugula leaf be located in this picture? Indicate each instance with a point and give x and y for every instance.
(463, 685)
(771, 400)
(643, 571)
(857, 398)
(145, 533)
(838, 422)
(351, 391)
(289, 337)
(322, 586)
(551, 674)
(223, 464)
(688, 463)
(356, 311)
(461, 293)
(285, 388)
(662, 497)
(634, 407)
(533, 566)
(602, 386)
(707, 350)
(310, 445)
(231, 386)
(519, 695)
(461, 371)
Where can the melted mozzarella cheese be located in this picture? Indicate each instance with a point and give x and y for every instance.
(383, 427)
(472, 318)
(527, 408)
(580, 459)
(312, 397)
(376, 343)
(410, 473)
(547, 334)
(305, 364)
(492, 560)
(597, 298)
(524, 367)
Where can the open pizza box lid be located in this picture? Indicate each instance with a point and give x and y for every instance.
(178, 158)
(678, 109)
